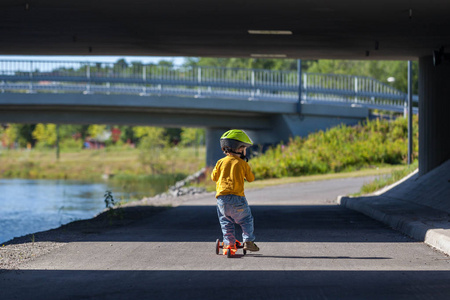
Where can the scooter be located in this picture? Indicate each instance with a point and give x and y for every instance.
(229, 251)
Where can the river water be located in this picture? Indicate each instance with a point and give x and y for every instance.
(28, 206)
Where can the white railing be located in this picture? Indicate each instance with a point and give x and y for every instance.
(252, 84)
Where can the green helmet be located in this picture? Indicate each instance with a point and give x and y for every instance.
(234, 139)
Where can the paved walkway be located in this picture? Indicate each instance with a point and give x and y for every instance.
(311, 248)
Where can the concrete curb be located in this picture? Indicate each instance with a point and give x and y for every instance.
(419, 222)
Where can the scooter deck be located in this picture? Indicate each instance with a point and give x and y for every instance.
(229, 251)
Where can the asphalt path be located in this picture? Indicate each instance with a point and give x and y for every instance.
(311, 248)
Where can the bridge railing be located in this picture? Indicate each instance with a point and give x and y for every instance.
(136, 78)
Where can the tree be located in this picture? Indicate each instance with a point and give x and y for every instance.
(9, 135)
(173, 135)
(127, 134)
(245, 63)
(120, 65)
(45, 134)
(165, 63)
(152, 144)
(380, 70)
(137, 67)
(69, 131)
(192, 136)
(25, 136)
(95, 130)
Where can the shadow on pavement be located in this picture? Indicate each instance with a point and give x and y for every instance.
(179, 284)
(321, 223)
(314, 257)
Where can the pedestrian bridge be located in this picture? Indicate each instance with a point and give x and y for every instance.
(273, 105)
(224, 83)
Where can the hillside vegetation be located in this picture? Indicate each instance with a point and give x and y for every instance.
(342, 148)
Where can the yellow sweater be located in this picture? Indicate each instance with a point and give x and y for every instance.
(229, 174)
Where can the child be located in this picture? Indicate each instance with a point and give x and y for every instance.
(229, 174)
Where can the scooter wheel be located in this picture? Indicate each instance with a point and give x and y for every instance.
(229, 253)
(217, 246)
(245, 252)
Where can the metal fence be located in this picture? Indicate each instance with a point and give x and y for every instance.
(250, 84)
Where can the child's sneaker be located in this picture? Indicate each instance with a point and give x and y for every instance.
(251, 246)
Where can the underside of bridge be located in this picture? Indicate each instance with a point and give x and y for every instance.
(350, 29)
(346, 29)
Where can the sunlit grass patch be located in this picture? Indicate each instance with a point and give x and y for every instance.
(384, 181)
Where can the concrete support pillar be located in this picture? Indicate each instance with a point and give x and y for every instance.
(213, 150)
(434, 110)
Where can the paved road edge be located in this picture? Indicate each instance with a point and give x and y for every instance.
(419, 222)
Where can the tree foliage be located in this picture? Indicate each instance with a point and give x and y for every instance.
(20, 135)
(9, 135)
(152, 145)
(96, 131)
(45, 134)
(192, 136)
(245, 63)
(380, 70)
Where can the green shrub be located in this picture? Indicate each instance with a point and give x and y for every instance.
(337, 149)
(70, 145)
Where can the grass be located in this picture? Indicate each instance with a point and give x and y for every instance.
(91, 165)
(384, 181)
